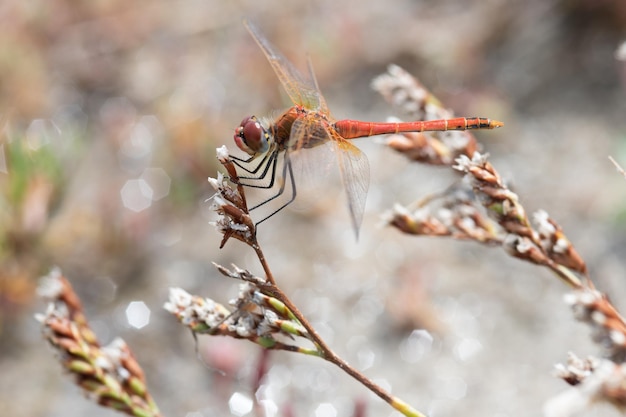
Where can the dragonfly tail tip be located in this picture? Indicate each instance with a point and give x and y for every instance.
(494, 124)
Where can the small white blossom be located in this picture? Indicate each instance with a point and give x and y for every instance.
(421, 214)
(574, 401)
(468, 223)
(222, 153)
(399, 209)
(239, 227)
(588, 297)
(245, 326)
(464, 163)
(617, 337)
(524, 246)
(598, 317)
(104, 362)
(561, 246)
(544, 227)
(114, 352)
(218, 182)
(50, 286)
(178, 298)
(570, 298)
(218, 202)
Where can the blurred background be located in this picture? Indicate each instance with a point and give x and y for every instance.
(110, 113)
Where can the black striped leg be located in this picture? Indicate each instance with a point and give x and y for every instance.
(287, 167)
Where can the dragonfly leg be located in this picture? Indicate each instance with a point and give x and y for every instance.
(245, 163)
(267, 162)
(287, 167)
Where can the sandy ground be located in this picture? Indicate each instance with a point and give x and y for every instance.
(450, 327)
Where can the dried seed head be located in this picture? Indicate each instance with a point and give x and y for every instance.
(256, 316)
(608, 327)
(576, 369)
(231, 205)
(555, 243)
(51, 286)
(234, 220)
(222, 154)
(595, 380)
(109, 375)
(403, 91)
(523, 248)
(454, 213)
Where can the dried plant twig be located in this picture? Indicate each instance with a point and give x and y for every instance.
(109, 375)
(262, 313)
(548, 247)
(459, 213)
(406, 93)
(485, 210)
(593, 380)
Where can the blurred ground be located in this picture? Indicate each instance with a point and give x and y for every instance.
(95, 96)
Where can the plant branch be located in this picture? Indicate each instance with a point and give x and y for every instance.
(235, 222)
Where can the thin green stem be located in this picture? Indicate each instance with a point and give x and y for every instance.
(323, 350)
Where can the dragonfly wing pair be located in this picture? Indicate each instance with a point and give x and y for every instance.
(314, 127)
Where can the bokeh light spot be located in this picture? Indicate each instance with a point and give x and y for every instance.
(136, 195)
(416, 345)
(467, 348)
(325, 410)
(139, 143)
(366, 358)
(270, 409)
(138, 314)
(367, 310)
(40, 132)
(239, 404)
(454, 387)
(158, 180)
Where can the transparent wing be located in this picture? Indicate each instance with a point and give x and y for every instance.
(312, 163)
(306, 132)
(302, 91)
(300, 132)
(355, 175)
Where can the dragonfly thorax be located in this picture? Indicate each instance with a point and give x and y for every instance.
(251, 137)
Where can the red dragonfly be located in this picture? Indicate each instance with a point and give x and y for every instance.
(308, 124)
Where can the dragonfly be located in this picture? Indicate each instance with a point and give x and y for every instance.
(308, 124)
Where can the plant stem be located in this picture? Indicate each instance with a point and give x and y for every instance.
(326, 352)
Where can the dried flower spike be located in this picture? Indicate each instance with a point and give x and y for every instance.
(109, 375)
(255, 318)
(502, 203)
(608, 326)
(454, 213)
(576, 370)
(405, 92)
(256, 315)
(595, 380)
(556, 244)
(234, 220)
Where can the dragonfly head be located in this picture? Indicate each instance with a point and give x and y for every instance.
(251, 137)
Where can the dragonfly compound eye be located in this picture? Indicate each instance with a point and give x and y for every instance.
(251, 137)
